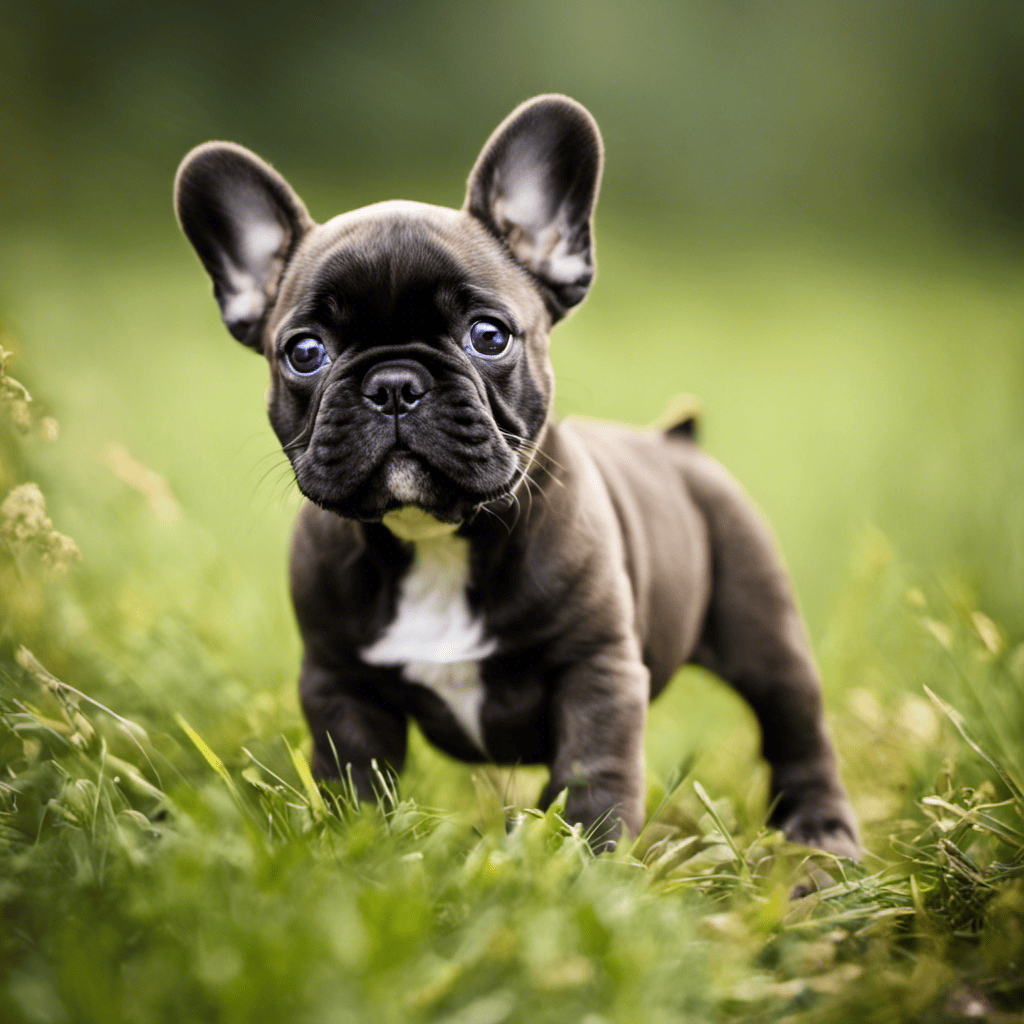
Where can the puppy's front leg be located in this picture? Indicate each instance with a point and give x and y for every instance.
(599, 707)
(350, 728)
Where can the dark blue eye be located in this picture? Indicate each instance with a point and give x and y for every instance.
(488, 338)
(305, 355)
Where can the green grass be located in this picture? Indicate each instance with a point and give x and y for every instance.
(162, 856)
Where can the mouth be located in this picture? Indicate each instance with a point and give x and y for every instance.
(445, 454)
(404, 480)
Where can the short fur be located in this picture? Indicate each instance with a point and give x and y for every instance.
(597, 559)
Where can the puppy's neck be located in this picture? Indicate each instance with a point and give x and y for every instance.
(414, 526)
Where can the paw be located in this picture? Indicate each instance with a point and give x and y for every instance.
(601, 812)
(822, 819)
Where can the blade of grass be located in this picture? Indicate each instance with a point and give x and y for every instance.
(676, 778)
(277, 778)
(703, 797)
(316, 801)
(211, 758)
(958, 723)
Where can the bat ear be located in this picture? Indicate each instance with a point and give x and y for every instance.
(244, 222)
(534, 186)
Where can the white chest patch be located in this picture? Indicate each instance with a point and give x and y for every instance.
(434, 636)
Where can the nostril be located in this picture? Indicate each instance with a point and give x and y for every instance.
(395, 388)
(410, 394)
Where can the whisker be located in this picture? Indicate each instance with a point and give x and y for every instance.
(302, 437)
(275, 468)
(248, 441)
(526, 444)
(491, 512)
(544, 469)
(519, 509)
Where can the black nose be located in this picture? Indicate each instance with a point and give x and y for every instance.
(394, 388)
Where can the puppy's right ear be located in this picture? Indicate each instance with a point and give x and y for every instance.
(244, 221)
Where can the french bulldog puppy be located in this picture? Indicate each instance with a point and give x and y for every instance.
(520, 586)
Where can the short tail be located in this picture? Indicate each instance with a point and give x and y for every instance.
(679, 418)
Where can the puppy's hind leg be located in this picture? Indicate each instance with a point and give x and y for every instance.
(754, 638)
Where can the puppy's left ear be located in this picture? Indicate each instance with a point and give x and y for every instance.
(534, 186)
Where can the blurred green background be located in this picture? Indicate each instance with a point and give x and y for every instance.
(811, 219)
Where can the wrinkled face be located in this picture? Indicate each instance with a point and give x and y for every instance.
(408, 357)
(407, 343)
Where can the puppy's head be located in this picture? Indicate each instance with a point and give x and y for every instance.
(407, 343)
